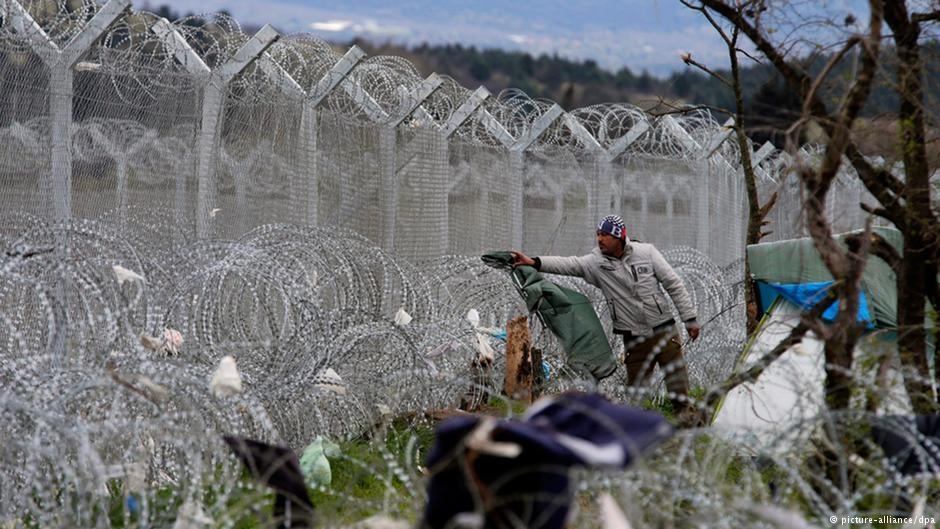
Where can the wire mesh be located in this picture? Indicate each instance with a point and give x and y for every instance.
(333, 198)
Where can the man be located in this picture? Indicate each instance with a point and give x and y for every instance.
(629, 274)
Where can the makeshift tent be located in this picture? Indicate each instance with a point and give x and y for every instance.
(567, 313)
(796, 262)
(771, 413)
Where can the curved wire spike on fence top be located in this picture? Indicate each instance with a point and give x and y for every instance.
(382, 78)
(209, 59)
(379, 85)
(69, 36)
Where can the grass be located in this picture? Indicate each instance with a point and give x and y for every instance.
(370, 476)
(504, 407)
(663, 405)
(383, 474)
(374, 476)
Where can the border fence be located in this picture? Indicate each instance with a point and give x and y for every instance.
(107, 112)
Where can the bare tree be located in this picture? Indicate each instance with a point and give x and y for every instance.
(757, 213)
(905, 202)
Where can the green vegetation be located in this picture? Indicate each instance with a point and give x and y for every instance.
(770, 106)
(659, 403)
(370, 476)
(573, 84)
(373, 476)
(505, 407)
(381, 473)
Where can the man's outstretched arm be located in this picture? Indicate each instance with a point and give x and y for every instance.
(521, 259)
(568, 266)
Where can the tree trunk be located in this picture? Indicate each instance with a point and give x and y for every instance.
(754, 221)
(754, 216)
(839, 352)
(911, 280)
(912, 336)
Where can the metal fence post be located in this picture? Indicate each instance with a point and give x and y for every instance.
(339, 76)
(388, 152)
(703, 196)
(210, 131)
(435, 191)
(61, 102)
(388, 194)
(456, 119)
(193, 64)
(309, 174)
(517, 171)
(298, 181)
(57, 185)
(600, 190)
(309, 123)
(615, 150)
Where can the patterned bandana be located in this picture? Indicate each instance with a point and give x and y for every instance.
(613, 225)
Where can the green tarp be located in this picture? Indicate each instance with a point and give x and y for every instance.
(797, 261)
(567, 313)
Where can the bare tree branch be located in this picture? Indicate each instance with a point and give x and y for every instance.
(679, 109)
(879, 248)
(886, 185)
(883, 185)
(765, 209)
(811, 95)
(701, 9)
(748, 55)
(933, 289)
(756, 215)
(687, 58)
(920, 252)
(818, 182)
(932, 16)
(888, 214)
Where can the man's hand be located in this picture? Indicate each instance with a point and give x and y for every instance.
(694, 329)
(521, 259)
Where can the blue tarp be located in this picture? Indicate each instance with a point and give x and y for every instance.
(805, 295)
(796, 261)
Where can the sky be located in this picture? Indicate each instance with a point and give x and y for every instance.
(641, 34)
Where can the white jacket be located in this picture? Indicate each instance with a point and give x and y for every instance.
(630, 285)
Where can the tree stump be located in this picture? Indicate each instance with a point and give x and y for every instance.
(523, 369)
